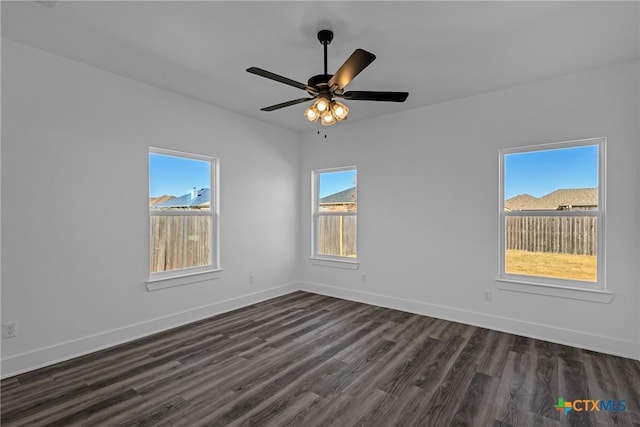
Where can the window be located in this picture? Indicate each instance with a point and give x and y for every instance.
(335, 212)
(552, 214)
(183, 214)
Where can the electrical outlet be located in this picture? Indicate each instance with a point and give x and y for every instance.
(252, 279)
(487, 295)
(363, 278)
(9, 330)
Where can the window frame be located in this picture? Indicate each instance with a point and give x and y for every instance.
(327, 260)
(555, 286)
(190, 274)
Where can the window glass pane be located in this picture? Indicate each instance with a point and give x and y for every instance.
(551, 246)
(179, 183)
(180, 186)
(558, 179)
(179, 242)
(337, 191)
(337, 235)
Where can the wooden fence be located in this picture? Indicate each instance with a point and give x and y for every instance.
(179, 242)
(566, 235)
(337, 235)
(183, 241)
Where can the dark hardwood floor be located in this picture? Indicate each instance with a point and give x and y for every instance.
(310, 360)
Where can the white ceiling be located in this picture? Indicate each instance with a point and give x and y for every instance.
(437, 51)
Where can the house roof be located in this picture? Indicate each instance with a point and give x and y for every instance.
(202, 197)
(522, 202)
(350, 195)
(554, 200)
(155, 200)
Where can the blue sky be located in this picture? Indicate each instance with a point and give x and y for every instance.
(334, 182)
(535, 173)
(176, 176)
(541, 172)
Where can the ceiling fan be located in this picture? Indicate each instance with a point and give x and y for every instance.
(325, 87)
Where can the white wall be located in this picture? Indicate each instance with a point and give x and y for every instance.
(75, 145)
(428, 206)
(74, 191)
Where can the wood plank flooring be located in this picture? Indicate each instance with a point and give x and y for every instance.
(311, 360)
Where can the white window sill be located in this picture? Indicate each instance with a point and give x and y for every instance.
(155, 284)
(346, 264)
(516, 285)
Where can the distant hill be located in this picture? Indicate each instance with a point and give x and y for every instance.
(155, 200)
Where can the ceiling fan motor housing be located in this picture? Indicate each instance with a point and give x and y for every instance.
(320, 81)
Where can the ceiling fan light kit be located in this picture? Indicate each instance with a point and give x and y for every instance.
(324, 87)
(330, 111)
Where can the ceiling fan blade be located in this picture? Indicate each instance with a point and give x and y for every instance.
(286, 104)
(360, 95)
(358, 61)
(269, 75)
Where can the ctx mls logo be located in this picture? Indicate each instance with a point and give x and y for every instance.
(588, 405)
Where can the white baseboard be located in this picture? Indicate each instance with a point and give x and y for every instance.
(34, 359)
(599, 343)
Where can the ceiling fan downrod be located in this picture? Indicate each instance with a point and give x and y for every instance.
(325, 37)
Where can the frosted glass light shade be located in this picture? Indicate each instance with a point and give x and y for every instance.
(328, 119)
(322, 105)
(339, 110)
(311, 114)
